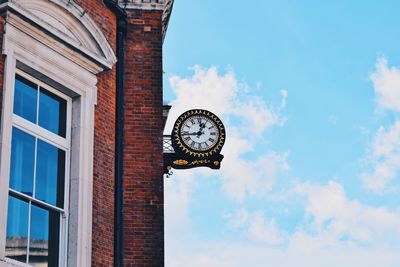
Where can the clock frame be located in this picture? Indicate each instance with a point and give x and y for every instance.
(198, 133)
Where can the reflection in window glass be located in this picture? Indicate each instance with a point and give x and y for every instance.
(52, 112)
(50, 171)
(25, 99)
(22, 161)
(17, 229)
(37, 175)
(44, 240)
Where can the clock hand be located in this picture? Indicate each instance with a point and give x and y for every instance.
(190, 134)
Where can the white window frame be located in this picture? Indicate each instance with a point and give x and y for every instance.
(51, 138)
(81, 154)
(34, 46)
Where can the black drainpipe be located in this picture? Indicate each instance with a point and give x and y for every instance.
(119, 131)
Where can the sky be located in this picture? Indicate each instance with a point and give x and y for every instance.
(309, 93)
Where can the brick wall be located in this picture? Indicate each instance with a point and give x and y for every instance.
(104, 144)
(143, 161)
(143, 175)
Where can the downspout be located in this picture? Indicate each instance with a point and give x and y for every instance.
(119, 131)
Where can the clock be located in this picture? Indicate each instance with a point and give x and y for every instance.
(198, 133)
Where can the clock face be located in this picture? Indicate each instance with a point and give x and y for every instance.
(198, 133)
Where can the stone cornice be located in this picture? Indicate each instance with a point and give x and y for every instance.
(166, 15)
(143, 4)
(162, 5)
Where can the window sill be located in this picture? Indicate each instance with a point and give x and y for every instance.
(10, 263)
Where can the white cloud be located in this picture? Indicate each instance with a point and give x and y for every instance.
(223, 95)
(238, 219)
(239, 255)
(386, 81)
(384, 157)
(177, 200)
(284, 94)
(250, 178)
(337, 218)
(256, 226)
(337, 231)
(246, 119)
(206, 89)
(265, 231)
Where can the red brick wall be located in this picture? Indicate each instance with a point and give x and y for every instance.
(103, 175)
(143, 161)
(104, 144)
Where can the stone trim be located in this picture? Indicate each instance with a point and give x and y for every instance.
(66, 26)
(28, 47)
(142, 4)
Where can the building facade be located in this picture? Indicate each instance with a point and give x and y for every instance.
(81, 160)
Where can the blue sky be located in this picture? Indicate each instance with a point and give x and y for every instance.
(309, 92)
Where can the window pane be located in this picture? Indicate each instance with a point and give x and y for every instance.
(25, 99)
(50, 172)
(22, 161)
(52, 112)
(44, 237)
(17, 229)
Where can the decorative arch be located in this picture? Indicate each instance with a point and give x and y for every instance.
(57, 43)
(69, 23)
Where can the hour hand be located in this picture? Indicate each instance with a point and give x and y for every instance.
(195, 133)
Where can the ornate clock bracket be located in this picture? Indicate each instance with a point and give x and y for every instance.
(196, 141)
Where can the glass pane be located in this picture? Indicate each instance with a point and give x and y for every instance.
(44, 237)
(50, 172)
(22, 161)
(25, 99)
(17, 229)
(52, 112)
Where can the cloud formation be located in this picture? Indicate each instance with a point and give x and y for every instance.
(384, 157)
(246, 118)
(223, 95)
(386, 81)
(335, 230)
(339, 219)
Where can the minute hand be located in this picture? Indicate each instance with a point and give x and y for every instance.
(196, 133)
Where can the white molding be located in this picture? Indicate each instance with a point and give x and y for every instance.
(140, 4)
(28, 48)
(5, 146)
(4, 263)
(46, 41)
(63, 70)
(41, 133)
(166, 16)
(64, 23)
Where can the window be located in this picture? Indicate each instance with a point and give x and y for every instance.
(37, 197)
(53, 52)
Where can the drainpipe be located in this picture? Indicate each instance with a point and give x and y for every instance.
(119, 131)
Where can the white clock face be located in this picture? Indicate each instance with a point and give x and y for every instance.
(199, 133)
